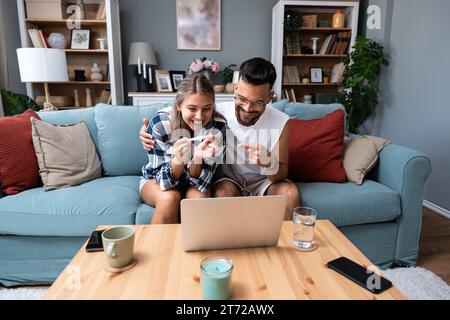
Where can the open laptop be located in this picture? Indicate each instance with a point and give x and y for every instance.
(226, 223)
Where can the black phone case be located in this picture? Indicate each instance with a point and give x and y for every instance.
(357, 273)
(95, 242)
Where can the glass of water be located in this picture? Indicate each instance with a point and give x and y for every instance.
(304, 219)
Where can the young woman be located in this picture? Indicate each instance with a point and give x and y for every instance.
(180, 166)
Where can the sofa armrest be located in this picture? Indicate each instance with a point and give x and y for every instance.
(405, 170)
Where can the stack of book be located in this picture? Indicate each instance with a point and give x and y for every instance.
(336, 44)
(290, 95)
(101, 12)
(290, 74)
(105, 97)
(38, 38)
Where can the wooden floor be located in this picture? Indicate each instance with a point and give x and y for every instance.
(434, 244)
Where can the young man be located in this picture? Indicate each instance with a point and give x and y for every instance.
(257, 147)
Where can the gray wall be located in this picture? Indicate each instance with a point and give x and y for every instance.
(246, 33)
(414, 103)
(8, 9)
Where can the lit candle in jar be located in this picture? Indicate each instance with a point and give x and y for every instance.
(216, 278)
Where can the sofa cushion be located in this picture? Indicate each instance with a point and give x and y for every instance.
(316, 149)
(296, 110)
(66, 117)
(19, 168)
(120, 150)
(66, 154)
(74, 211)
(349, 204)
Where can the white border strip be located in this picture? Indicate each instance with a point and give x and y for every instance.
(430, 205)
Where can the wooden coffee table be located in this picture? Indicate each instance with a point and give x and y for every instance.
(164, 271)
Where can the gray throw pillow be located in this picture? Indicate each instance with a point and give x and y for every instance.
(66, 154)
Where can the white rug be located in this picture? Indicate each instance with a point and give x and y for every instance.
(414, 283)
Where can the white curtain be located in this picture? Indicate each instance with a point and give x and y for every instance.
(3, 62)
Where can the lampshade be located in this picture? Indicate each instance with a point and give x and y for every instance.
(144, 51)
(42, 65)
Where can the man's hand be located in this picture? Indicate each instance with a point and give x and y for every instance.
(206, 149)
(258, 155)
(146, 138)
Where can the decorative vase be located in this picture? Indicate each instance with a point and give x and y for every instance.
(229, 88)
(80, 13)
(314, 45)
(96, 74)
(88, 97)
(218, 88)
(79, 75)
(338, 19)
(57, 41)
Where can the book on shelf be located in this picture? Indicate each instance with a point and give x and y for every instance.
(105, 97)
(292, 95)
(291, 74)
(38, 38)
(337, 73)
(101, 12)
(325, 44)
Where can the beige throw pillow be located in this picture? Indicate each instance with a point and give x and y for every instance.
(361, 155)
(66, 154)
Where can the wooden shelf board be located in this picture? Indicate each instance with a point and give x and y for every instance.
(88, 23)
(314, 56)
(325, 29)
(90, 51)
(83, 82)
(311, 84)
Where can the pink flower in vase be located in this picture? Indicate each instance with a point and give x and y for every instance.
(215, 67)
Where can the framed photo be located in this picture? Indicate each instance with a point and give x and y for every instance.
(176, 77)
(80, 39)
(163, 82)
(198, 24)
(316, 75)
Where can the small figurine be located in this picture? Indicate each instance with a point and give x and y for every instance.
(96, 74)
(77, 98)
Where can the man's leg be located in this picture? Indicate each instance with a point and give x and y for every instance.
(289, 189)
(226, 188)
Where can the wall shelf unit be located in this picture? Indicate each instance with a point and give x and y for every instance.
(109, 60)
(293, 65)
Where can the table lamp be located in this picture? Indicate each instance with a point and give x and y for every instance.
(143, 57)
(39, 65)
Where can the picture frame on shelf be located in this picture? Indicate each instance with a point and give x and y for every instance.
(163, 82)
(176, 77)
(80, 39)
(316, 74)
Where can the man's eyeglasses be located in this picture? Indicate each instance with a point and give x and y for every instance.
(244, 101)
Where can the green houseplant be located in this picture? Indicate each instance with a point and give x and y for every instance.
(227, 74)
(15, 103)
(291, 31)
(361, 81)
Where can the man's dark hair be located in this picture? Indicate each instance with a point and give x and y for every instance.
(257, 71)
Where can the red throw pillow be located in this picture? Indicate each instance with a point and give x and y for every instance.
(316, 149)
(19, 169)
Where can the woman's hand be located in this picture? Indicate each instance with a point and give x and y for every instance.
(182, 151)
(146, 138)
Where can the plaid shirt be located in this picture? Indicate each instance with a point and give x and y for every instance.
(159, 167)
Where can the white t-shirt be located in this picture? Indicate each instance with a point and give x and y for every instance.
(266, 132)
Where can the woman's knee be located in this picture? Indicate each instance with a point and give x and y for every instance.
(225, 189)
(169, 196)
(192, 193)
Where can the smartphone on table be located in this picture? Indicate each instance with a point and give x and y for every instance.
(95, 242)
(360, 275)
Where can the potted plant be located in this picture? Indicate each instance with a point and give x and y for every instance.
(227, 78)
(291, 31)
(359, 94)
(15, 103)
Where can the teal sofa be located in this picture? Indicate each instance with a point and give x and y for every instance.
(41, 231)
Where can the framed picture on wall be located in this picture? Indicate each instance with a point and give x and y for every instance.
(176, 77)
(198, 24)
(80, 39)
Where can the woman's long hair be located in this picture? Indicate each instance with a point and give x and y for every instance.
(196, 83)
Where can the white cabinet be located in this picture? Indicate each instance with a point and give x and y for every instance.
(147, 98)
